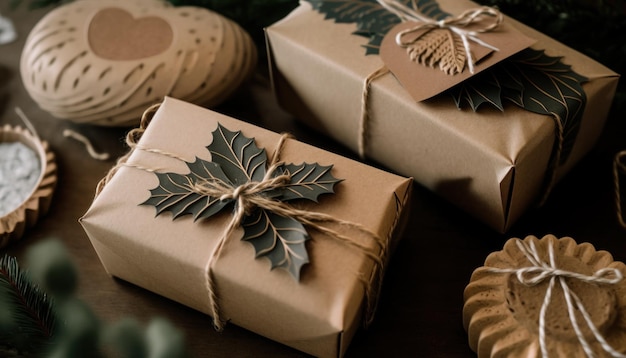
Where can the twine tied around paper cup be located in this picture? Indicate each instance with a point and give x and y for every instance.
(541, 271)
(248, 196)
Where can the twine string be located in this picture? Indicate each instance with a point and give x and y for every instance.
(456, 24)
(27, 122)
(541, 271)
(619, 170)
(363, 120)
(91, 150)
(251, 195)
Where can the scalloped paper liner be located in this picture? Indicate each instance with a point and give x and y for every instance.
(14, 224)
(501, 314)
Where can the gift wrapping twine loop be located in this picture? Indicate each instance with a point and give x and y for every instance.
(619, 171)
(541, 271)
(249, 196)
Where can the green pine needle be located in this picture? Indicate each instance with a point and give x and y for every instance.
(29, 312)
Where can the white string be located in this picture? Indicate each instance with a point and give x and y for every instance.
(454, 24)
(69, 133)
(27, 122)
(540, 271)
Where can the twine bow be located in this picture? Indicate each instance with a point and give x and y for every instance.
(456, 24)
(541, 271)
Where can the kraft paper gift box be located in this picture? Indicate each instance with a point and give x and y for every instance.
(317, 314)
(493, 164)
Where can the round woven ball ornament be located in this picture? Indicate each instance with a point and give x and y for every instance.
(28, 159)
(104, 61)
(547, 297)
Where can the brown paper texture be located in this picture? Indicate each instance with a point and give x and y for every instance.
(492, 164)
(319, 314)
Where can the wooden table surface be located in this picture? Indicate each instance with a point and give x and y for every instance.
(422, 297)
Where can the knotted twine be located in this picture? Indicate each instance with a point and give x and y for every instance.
(247, 197)
(541, 271)
(456, 25)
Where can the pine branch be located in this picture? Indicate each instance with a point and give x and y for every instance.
(31, 320)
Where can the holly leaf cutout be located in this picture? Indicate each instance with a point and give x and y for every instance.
(308, 181)
(536, 82)
(489, 91)
(280, 239)
(372, 19)
(237, 161)
(176, 193)
(239, 157)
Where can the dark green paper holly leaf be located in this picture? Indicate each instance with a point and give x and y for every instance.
(176, 194)
(537, 83)
(237, 161)
(308, 181)
(372, 19)
(489, 92)
(239, 157)
(280, 239)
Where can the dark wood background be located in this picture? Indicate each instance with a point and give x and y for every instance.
(422, 298)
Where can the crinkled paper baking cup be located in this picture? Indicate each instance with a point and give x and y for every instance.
(14, 223)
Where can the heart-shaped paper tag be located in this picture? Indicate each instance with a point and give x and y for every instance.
(115, 35)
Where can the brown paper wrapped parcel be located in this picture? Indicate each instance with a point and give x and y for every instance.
(320, 313)
(492, 164)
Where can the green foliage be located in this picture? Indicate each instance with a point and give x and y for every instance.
(52, 269)
(27, 319)
(41, 317)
